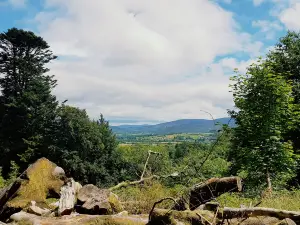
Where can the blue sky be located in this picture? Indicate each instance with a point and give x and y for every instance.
(142, 61)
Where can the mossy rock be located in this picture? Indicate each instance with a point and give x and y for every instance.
(115, 203)
(41, 183)
(96, 201)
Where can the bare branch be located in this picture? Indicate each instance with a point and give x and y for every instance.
(158, 202)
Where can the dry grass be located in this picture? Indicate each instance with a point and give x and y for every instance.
(287, 200)
(114, 221)
(140, 199)
(40, 183)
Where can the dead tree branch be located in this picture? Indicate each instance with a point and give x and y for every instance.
(147, 160)
(231, 213)
(207, 191)
(158, 202)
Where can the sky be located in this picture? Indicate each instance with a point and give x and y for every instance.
(148, 61)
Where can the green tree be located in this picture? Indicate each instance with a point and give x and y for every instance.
(264, 103)
(86, 148)
(27, 106)
(285, 59)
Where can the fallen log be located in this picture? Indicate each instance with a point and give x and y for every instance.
(231, 213)
(207, 191)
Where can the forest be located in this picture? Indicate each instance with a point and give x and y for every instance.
(263, 148)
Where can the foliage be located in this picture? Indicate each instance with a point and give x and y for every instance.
(2, 181)
(265, 104)
(13, 174)
(27, 106)
(285, 57)
(86, 148)
(186, 159)
(140, 199)
(163, 139)
(134, 156)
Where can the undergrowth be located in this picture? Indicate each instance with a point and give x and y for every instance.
(286, 200)
(140, 199)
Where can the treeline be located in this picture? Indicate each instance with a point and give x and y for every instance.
(175, 138)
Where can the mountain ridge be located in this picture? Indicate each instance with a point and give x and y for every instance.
(173, 127)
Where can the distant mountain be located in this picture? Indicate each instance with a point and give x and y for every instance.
(173, 127)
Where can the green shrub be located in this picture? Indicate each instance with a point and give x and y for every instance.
(2, 181)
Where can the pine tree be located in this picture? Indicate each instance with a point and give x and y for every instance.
(27, 105)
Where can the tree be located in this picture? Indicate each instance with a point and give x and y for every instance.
(86, 148)
(264, 103)
(27, 106)
(285, 59)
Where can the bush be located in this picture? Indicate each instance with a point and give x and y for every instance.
(2, 181)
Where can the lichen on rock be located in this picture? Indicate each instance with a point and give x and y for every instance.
(41, 182)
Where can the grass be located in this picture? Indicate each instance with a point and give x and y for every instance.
(286, 200)
(38, 186)
(140, 199)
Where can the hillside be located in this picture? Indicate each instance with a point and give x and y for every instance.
(173, 127)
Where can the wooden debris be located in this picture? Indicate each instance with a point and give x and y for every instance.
(208, 191)
(230, 213)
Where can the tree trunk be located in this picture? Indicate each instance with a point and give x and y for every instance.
(230, 213)
(207, 191)
(67, 198)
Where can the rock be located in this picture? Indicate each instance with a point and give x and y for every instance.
(37, 210)
(54, 204)
(58, 172)
(286, 221)
(123, 213)
(211, 206)
(36, 183)
(79, 219)
(24, 216)
(96, 201)
(67, 198)
(78, 186)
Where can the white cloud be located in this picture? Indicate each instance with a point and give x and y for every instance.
(290, 16)
(232, 63)
(269, 28)
(258, 2)
(17, 3)
(143, 59)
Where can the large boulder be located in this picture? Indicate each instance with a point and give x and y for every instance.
(37, 183)
(95, 201)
